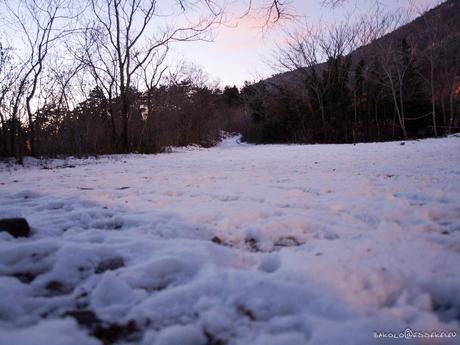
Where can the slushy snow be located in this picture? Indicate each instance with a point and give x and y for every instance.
(237, 244)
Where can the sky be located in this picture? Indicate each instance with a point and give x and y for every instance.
(242, 51)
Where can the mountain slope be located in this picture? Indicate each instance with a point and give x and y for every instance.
(418, 31)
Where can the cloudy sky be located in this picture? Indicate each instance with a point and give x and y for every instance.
(239, 52)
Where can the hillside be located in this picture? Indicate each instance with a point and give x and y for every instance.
(447, 14)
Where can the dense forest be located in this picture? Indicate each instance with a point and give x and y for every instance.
(403, 82)
(177, 114)
(378, 78)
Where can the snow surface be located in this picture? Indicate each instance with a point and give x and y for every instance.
(237, 244)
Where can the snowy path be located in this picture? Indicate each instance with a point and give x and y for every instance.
(238, 244)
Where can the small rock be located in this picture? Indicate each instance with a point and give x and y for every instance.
(113, 333)
(16, 227)
(252, 243)
(25, 277)
(288, 241)
(85, 318)
(56, 288)
(212, 339)
(403, 143)
(216, 240)
(245, 312)
(110, 265)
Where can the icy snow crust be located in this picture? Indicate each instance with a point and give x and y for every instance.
(238, 244)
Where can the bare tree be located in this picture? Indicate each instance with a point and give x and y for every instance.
(6, 82)
(454, 90)
(126, 37)
(150, 75)
(303, 54)
(41, 25)
(306, 52)
(395, 67)
(431, 37)
(394, 62)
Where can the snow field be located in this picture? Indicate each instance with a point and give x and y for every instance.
(237, 244)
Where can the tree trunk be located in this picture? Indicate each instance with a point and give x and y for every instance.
(113, 124)
(451, 110)
(33, 152)
(124, 115)
(399, 112)
(433, 101)
(4, 143)
(14, 151)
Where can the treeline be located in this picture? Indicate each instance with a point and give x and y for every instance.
(401, 84)
(177, 114)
